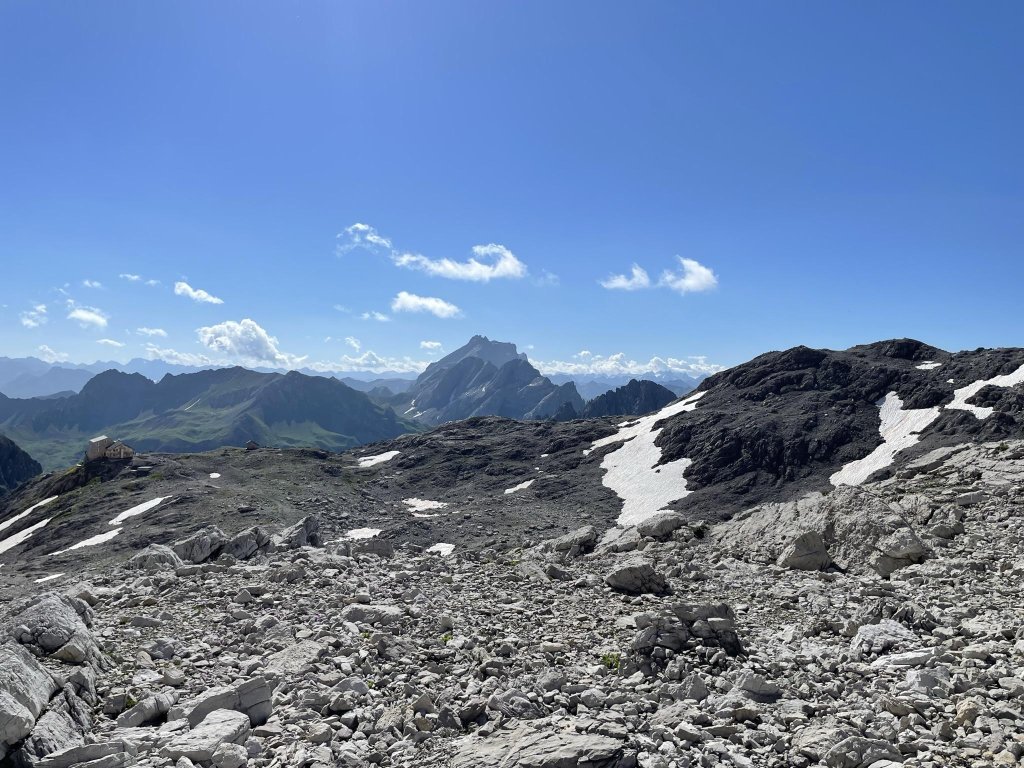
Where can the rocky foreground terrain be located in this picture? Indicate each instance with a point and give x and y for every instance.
(879, 625)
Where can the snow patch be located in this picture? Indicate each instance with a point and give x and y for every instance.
(362, 533)
(422, 505)
(444, 550)
(424, 515)
(21, 536)
(521, 487)
(11, 521)
(632, 470)
(928, 365)
(380, 458)
(900, 429)
(962, 395)
(215, 475)
(138, 510)
(92, 541)
(51, 577)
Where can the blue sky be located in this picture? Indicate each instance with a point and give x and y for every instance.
(806, 172)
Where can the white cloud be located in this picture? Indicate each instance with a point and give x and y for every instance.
(410, 302)
(380, 317)
(109, 342)
(92, 283)
(638, 279)
(152, 282)
(151, 332)
(619, 365)
(196, 294)
(33, 318)
(361, 236)
(694, 278)
(353, 342)
(433, 346)
(174, 357)
(245, 342)
(490, 262)
(88, 317)
(51, 356)
(130, 277)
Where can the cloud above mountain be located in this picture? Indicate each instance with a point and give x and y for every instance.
(245, 341)
(410, 302)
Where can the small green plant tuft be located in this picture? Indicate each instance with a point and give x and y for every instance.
(612, 661)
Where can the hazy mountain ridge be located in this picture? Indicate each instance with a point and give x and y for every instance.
(201, 411)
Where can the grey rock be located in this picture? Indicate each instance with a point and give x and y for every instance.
(25, 689)
(248, 543)
(199, 744)
(524, 747)
(251, 697)
(807, 552)
(155, 557)
(304, 533)
(636, 576)
(201, 546)
(661, 525)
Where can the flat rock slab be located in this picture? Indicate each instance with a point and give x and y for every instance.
(525, 747)
(222, 726)
(294, 658)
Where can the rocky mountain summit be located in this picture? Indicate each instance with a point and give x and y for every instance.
(485, 378)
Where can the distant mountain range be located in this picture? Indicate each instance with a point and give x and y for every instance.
(485, 378)
(31, 377)
(199, 411)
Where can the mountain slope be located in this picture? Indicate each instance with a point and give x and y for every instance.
(636, 398)
(485, 378)
(16, 466)
(200, 411)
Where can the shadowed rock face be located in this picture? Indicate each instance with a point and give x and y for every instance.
(16, 466)
(637, 398)
(781, 424)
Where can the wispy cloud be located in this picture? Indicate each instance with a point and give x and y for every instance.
(410, 302)
(151, 332)
(693, 277)
(35, 317)
(130, 277)
(492, 261)
(353, 342)
(182, 288)
(433, 346)
(361, 236)
(245, 342)
(380, 317)
(88, 317)
(637, 279)
(92, 283)
(489, 262)
(110, 342)
(52, 356)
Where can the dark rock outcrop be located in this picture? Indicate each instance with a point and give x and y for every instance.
(637, 398)
(16, 466)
